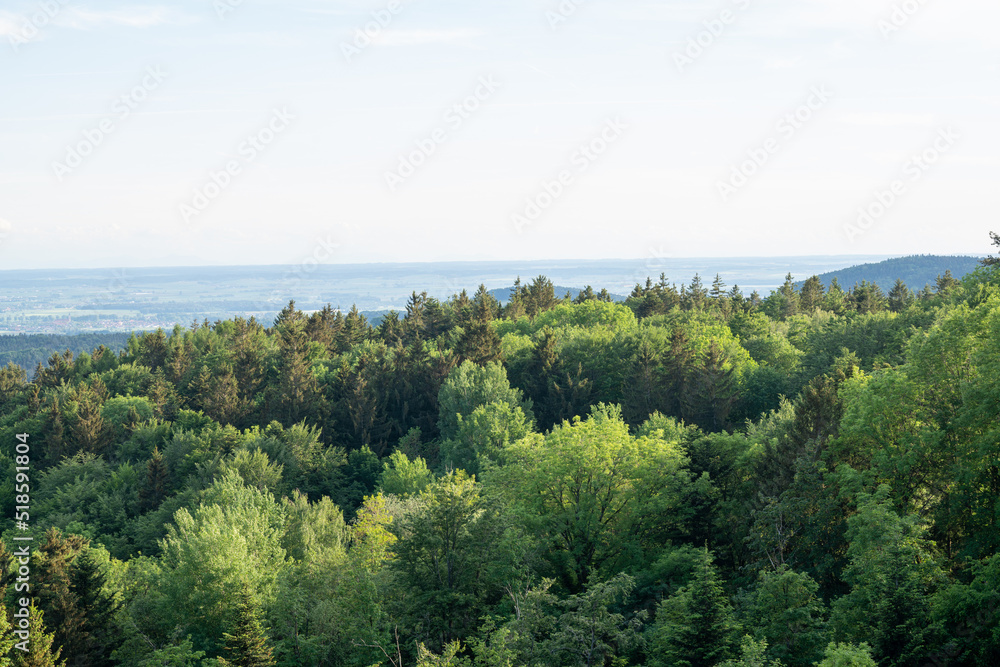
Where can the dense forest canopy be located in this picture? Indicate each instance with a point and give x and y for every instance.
(693, 477)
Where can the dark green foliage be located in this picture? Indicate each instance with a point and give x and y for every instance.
(247, 645)
(695, 626)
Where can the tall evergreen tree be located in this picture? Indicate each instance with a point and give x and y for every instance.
(899, 296)
(248, 646)
(811, 295)
(695, 626)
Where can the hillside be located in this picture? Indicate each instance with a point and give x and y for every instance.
(916, 271)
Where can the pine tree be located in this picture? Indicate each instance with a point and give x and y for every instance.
(89, 430)
(946, 283)
(157, 480)
(484, 306)
(712, 390)
(55, 434)
(718, 288)
(55, 592)
(678, 365)
(789, 298)
(867, 297)
(899, 296)
(542, 367)
(248, 646)
(811, 295)
(697, 293)
(479, 343)
(642, 391)
(695, 626)
(7, 638)
(836, 299)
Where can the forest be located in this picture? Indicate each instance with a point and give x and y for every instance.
(694, 477)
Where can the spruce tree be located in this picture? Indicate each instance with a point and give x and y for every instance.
(695, 626)
(157, 481)
(789, 297)
(248, 646)
(811, 295)
(718, 288)
(899, 297)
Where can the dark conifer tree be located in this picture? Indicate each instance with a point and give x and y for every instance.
(811, 295)
(485, 307)
(899, 297)
(946, 283)
(479, 343)
(789, 298)
(718, 290)
(156, 483)
(642, 392)
(248, 646)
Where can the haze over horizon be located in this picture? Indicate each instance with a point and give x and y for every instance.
(331, 114)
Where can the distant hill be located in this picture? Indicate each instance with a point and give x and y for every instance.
(27, 351)
(503, 294)
(916, 271)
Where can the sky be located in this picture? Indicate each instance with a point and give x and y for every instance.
(344, 131)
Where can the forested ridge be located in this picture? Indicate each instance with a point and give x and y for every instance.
(695, 477)
(29, 350)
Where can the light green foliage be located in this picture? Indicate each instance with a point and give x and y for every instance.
(314, 531)
(175, 655)
(254, 468)
(449, 657)
(7, 639)
(470, 386)
(591, 314)
(483, 436)
(41, 649)
(752, 654)
(594, 494)
(402, 476)
(847, 655)
(232, 539)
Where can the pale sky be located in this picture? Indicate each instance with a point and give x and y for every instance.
(114, 116)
